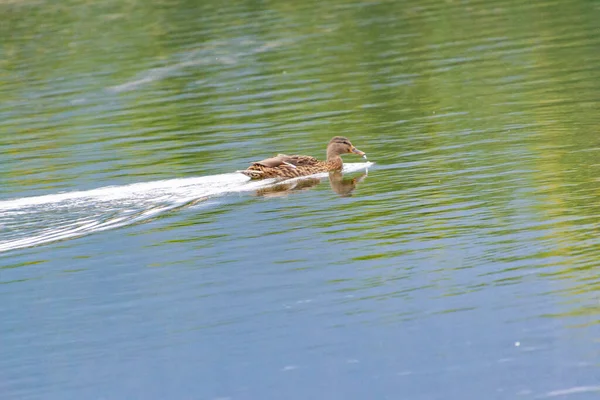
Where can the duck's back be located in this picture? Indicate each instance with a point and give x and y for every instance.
(284, 159)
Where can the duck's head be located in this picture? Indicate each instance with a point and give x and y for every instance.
(340, 145)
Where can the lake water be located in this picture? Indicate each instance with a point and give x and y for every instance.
(135, 262)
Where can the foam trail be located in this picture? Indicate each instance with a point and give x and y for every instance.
(32, 221)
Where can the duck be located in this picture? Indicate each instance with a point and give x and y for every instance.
(284, 166)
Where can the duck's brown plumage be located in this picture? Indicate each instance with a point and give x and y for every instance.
(285, 166)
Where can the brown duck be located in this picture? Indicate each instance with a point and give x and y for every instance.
(284, 166)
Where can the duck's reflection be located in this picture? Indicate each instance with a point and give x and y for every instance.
(340, 185)
(344, 186)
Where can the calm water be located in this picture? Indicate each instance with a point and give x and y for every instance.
(135, 263)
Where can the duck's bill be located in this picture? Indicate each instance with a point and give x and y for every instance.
(360, 153)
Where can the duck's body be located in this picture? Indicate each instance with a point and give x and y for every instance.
(284, 166)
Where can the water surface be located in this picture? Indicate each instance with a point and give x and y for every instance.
(136, 264)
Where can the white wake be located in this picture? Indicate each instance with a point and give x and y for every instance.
(32, 221)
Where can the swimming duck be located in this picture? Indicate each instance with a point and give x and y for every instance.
(284, 166)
